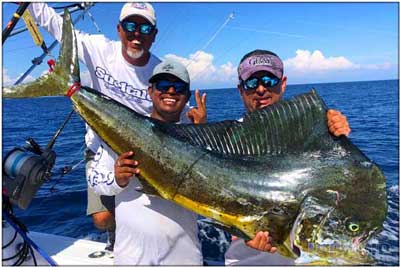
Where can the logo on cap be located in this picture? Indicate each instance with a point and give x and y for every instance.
(168, 67)
(260, 61)
(140, 6)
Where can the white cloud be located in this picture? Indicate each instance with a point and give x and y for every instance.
(6, 79)
(313, 66)
(306, 61)
(204, 72)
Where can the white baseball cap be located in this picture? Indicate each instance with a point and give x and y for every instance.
(138, 9)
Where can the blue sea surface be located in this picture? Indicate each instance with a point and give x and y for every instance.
(60, 205)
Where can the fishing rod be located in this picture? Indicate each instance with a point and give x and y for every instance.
(26, 168)
(72, 9)
(31, 27)
(13, 21)
(34, 31)
(38, 60)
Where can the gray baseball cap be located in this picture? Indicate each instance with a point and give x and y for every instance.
(172, 67)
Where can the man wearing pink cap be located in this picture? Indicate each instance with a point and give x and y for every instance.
(263, 83)
(120, 69)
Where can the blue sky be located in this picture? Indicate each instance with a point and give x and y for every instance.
(318, 42)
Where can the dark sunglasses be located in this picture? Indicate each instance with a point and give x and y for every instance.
(180, 87)
(130, 26)
(254, 82)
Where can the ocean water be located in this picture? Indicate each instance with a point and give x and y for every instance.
(59, 206)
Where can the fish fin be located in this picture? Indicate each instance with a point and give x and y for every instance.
(230, 229)
(294, 125)
(66, 70)
(146, 188)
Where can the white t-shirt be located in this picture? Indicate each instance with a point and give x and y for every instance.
(109, 72)
(150, 230)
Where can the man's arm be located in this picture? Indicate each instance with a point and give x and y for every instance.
(47, 17)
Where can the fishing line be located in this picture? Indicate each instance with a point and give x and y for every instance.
(167, 32)
(66, 170)
(238, 44)
(69, 6)
(93, 21)
(15, 50)
(230, 17)
(269, 32)
(69, 167)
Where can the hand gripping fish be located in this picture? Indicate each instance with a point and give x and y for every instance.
(279, 170)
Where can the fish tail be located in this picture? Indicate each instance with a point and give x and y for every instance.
(66, 71)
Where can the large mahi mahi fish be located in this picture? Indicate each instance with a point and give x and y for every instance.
(278, 170)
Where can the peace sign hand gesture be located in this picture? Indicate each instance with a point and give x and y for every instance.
(199, 113)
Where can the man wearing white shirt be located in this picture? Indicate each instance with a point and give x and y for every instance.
(119, 69)
(151, 230)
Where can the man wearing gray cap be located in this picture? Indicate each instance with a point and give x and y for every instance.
(262, 83)
(151, 230)
(119, 69)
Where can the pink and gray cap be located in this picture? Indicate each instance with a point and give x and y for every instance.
(263, 62)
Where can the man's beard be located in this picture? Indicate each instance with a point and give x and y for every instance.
(134, 55)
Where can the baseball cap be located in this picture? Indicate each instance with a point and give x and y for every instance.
(260, 62)
(138, 9)
(172, 67)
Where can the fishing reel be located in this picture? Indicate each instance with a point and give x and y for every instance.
(25, 170)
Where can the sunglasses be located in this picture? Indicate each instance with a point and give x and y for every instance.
(130, 26)
(254, 82)
(180, 87)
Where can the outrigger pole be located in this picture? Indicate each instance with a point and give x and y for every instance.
(38, 60)
(13, 21)
(24, 28)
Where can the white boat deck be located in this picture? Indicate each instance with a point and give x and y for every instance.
(63, 250)
(70, 251)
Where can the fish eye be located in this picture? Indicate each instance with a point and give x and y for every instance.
(353, 227)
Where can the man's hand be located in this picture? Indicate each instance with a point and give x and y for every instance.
(125, 168)
(337, 123)
(262, 242)
(198, 114)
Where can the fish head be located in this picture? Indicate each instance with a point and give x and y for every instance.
(333, 228)
(333, 239)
